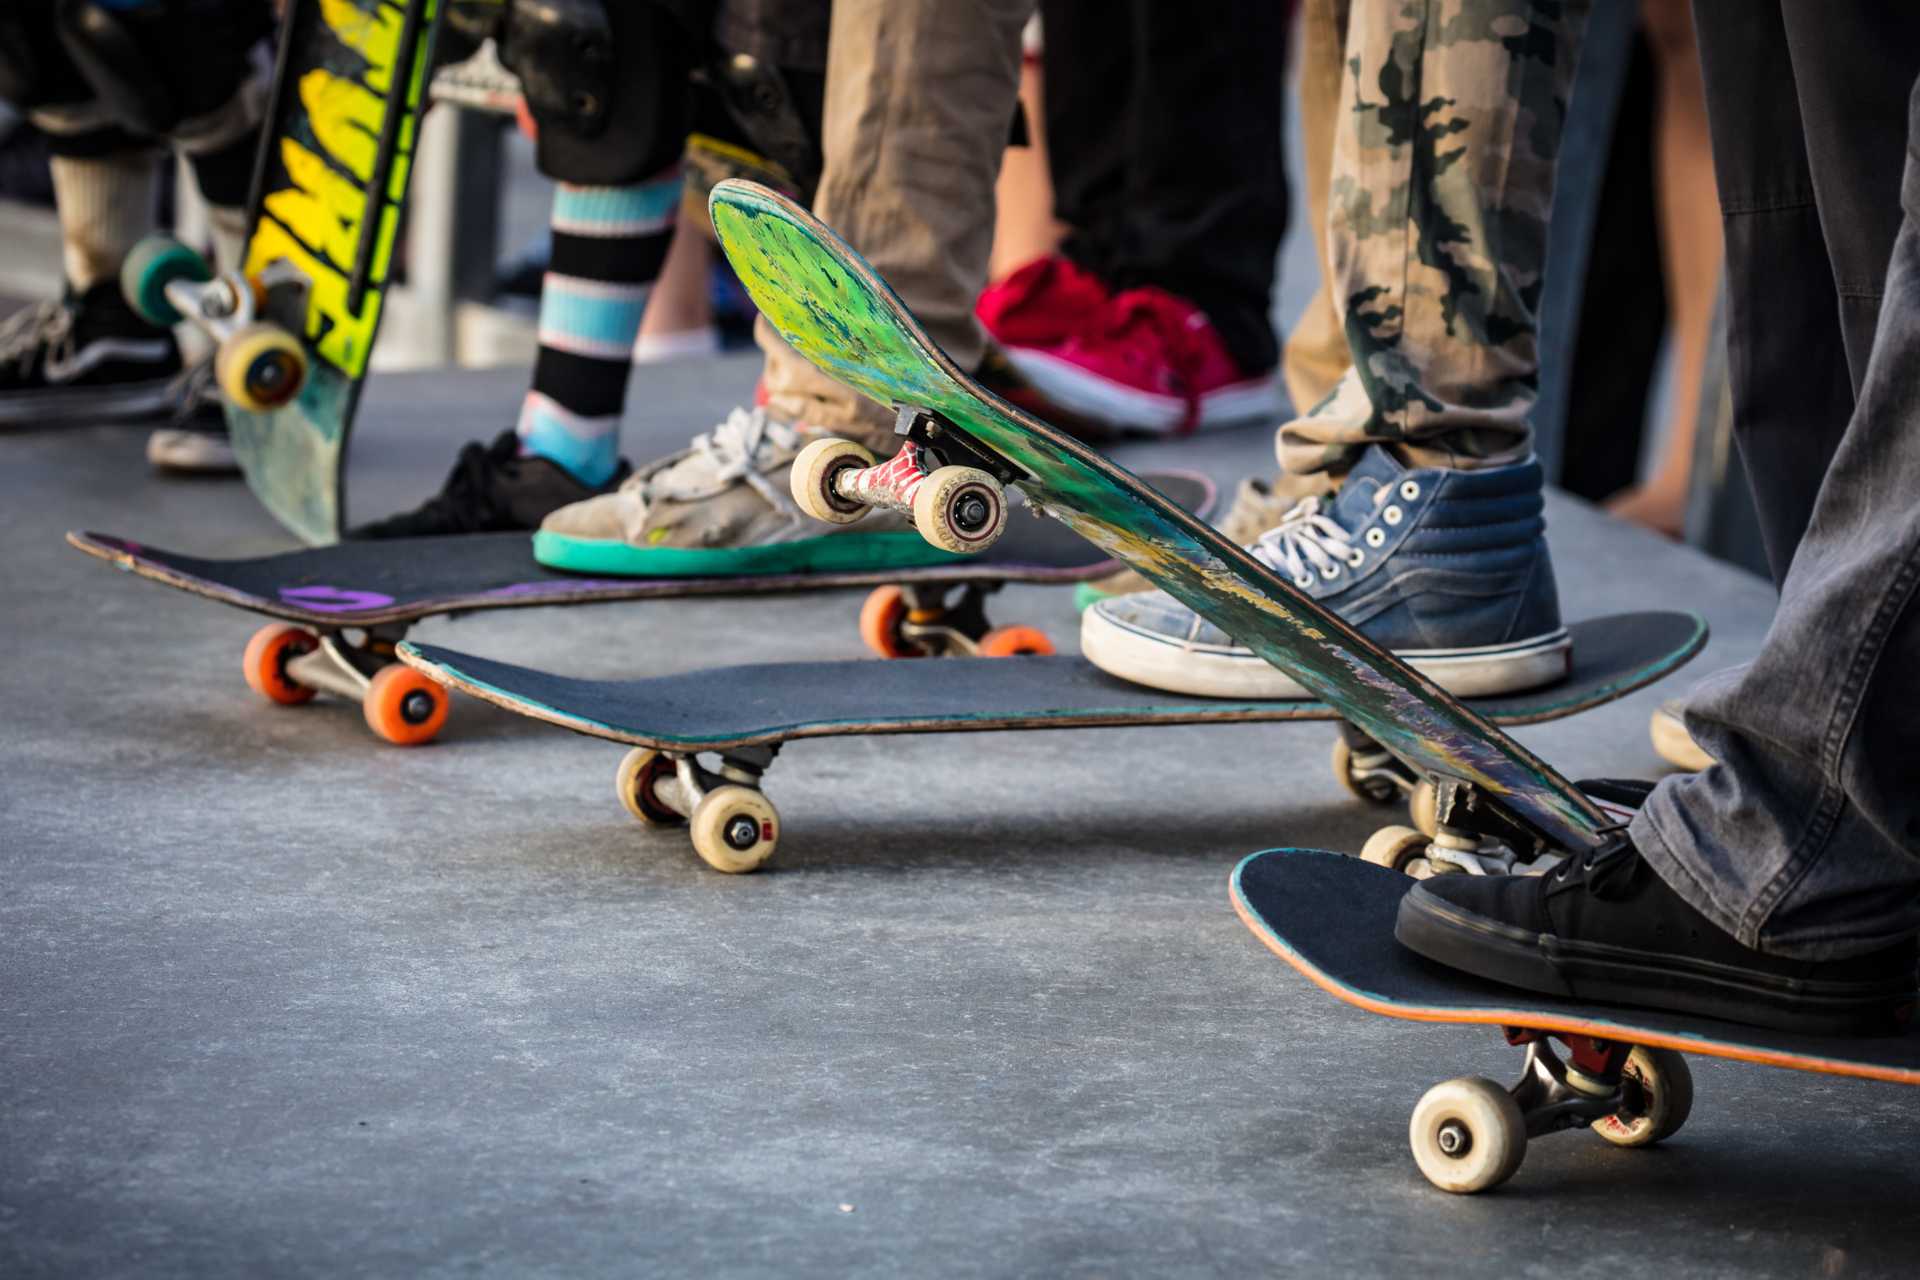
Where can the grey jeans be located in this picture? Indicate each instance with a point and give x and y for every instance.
(1805, 839)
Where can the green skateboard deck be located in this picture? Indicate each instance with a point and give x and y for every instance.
(833, 309)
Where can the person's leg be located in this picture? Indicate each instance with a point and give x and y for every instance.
(1782, 885)
(1315, 354)
(919, 99)
(1434, 546)
(1443, 181)
(618, 176)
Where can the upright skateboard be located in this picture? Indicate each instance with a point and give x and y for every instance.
(342, 609)
(295, 327)
(1622, 1074)
(1496, 803)
(740, 717)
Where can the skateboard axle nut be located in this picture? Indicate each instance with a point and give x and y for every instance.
(1454, 1139)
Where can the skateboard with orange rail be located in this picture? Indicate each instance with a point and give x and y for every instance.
(1619, 1072)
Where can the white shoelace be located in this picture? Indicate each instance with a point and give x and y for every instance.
(733, 451)
(45, 324)
(1308, 540)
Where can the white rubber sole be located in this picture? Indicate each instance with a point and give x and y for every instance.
(1088, 396)
(87, 406)
(1219, 671)
(194, 452)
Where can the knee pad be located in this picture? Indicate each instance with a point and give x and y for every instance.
(606, 83)
(114, 47)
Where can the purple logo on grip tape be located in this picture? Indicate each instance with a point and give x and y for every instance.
(334, 599)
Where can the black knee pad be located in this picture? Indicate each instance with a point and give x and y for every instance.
(115, 50)
(606, 83)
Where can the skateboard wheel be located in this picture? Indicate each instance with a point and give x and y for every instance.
(260, 368)
(815, 469)
(156, 262)
(735, 829)
(1424, 808)
(1014, 642)
(1373, 790)
(634, 781)
(1395, 848)
(880, 618)
(1468, 1135)
(404, 706)
(1659, 1096)
(960, 509)
(265, 662)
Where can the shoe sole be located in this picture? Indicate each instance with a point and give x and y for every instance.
(86, 406)
(190, 453)
(1675, 745)
(1089, 396)
(1595, 972)
(831, 553)
(1208, 671)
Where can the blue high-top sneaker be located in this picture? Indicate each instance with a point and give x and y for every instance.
(1448, 569)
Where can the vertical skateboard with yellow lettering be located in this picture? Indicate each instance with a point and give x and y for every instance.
(295, 327)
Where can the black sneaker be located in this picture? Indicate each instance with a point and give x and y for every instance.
(195, 442)
(87, 357)
(1604, 927)
(491, 489)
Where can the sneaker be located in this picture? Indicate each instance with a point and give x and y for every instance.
(1147, 362)
(196, 441)
(1671, 739)
(1258, 505)
(1604, 927)
(722, 507)
(492, 488)
(86, 357)
(1045, 303)
(1448, 569)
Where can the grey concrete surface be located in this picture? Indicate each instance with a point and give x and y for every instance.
(278, 1000)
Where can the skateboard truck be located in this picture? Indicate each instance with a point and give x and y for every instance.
(288, 664)
(733, 825)
(1455, 828)
(1468, 1134)
(942, 620)
(257, 361)
(937, 480)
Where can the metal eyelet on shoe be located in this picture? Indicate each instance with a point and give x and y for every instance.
(1358, 558)
(1410, 490)
(1376, 537)
(1391, 515)
(1330, 572)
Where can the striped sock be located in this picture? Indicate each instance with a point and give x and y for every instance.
(608, 243)
(106, 204)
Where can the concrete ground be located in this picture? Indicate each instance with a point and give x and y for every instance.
(278, 999)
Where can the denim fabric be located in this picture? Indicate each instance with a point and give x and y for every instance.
(1805, 839)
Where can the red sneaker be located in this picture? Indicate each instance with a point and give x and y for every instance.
(1043, 303)
(1151, 362)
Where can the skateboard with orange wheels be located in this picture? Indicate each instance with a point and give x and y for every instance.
(714, 733)
(1617, 1071)
(341, 609)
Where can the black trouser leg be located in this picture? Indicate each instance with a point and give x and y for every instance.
(1808, 141)
(1165, 136)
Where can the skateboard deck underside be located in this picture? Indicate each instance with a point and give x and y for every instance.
(1331, 917)
(328, 195)
(831, 307)
(779, 702)
(357, 584)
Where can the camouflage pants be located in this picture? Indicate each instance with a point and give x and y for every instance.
(1442, 182)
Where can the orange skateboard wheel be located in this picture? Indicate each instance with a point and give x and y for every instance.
(1015, 642)
(265, 662)
(880, 619)
(404, 706)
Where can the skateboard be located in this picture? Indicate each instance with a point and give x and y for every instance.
(964, 447)
(343, 608)
(742, 716)
(1331, 917)
(294, 328)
